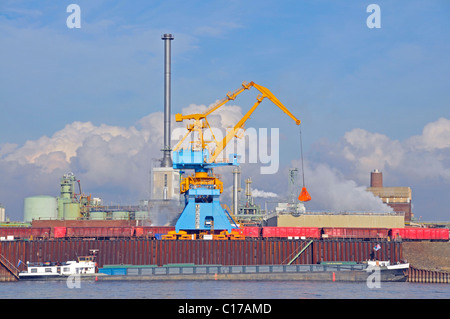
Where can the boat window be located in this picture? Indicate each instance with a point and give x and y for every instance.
(33, 270)
(66, 269)
(48, 270)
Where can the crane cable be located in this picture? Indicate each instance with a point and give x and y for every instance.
(301, 154)
(304, 195)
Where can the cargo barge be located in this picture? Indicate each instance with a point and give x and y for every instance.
(199, 252)
(337, 271)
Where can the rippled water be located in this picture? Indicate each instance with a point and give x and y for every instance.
(220, 290)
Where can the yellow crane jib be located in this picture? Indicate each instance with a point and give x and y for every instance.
(200, 122)
(202, 211)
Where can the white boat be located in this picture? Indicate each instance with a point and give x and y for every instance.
(84, 266)
(387, 265)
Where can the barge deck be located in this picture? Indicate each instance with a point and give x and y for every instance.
(322, 272)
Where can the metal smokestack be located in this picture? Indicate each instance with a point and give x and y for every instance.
(236, 189)
(167, 158)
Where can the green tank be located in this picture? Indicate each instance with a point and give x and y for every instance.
(120, 215)
(61, 203)
(67, 194)
(97, 215)
(141, 215)
(71, 211)
(39, 207)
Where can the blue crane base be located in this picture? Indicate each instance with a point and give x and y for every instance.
(203, 212)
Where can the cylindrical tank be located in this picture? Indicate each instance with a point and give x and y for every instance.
(141, 215)
(120, 215)
(97, 215)
(39, 207)
(61, 202)
(376, 179)
(67, 193)
(71, 211)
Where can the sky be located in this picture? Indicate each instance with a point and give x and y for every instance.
(89, 100)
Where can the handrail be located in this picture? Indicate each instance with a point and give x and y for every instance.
(301, 251)
(8, 265)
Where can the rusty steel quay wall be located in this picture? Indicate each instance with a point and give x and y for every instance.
(199, 252)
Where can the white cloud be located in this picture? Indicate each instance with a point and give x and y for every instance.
(435, 135)
(421, 162)
(426, 156)
(368, 150)
(66, 141)
(116, 160)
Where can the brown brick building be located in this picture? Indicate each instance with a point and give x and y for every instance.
(399, 198)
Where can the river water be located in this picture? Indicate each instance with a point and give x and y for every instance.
(219, 290)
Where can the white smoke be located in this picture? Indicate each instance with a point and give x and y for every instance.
(331, 191)
(421, 162)
(263, 194)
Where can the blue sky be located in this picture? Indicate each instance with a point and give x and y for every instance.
(362, 94)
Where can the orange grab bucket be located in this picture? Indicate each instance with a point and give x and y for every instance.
(304, 195)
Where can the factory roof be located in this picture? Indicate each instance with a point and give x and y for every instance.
(391, 192)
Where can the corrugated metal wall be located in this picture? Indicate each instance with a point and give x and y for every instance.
(200, 252)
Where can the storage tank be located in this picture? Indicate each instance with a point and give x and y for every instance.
(67, 192)
(97, 215)
(141, 215)
(121, 215)
(71, 211)
(61, 203)
(39, 207)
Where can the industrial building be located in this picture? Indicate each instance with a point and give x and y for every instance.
(165, 184)
(399, 198)
(71, 205)
(345, 219)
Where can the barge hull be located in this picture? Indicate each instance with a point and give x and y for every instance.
(354, 273)
(199, 252)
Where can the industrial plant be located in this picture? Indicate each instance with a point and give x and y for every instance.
(185, 223)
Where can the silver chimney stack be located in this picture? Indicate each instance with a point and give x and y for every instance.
(167, 158)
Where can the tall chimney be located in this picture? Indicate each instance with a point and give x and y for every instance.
(167, 158)
(376, 179)
(236, 189)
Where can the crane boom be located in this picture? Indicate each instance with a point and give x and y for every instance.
(202, 189)
(265, 93)
(230, 96)
(198, 125)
